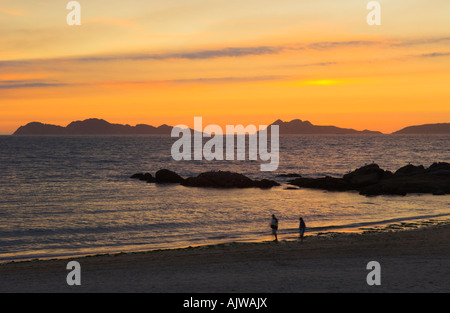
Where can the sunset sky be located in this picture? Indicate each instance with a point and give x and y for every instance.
(231, 62)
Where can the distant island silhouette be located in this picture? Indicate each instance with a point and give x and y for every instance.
(95, 126)
(92, 126)
(305, 127)
(439, 128)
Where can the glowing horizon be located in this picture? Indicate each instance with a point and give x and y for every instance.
(234, 62)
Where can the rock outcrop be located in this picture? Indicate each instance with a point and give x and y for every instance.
(165, 176)
(220, 179)
(290, 175)
(372, 180)
(225, 179)
(146, 177)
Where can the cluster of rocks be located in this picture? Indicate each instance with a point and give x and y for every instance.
(371, 180)
(162, 176)
(219, 179)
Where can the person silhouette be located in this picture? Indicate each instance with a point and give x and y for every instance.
(302, 228)
(274, 226)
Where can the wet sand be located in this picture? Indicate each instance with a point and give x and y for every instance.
(415, 260)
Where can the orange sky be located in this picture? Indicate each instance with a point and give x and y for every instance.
(231, 62)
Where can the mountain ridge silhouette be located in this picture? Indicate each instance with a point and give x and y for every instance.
(96, 126)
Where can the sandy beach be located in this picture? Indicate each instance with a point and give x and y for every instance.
(416, 260)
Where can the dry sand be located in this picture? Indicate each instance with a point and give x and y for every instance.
(415, 260)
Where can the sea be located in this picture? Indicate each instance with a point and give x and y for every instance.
(66, 196)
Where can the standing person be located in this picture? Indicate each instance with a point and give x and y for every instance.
(274, 226)
(302, 228)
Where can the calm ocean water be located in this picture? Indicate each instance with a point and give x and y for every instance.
(62, 196)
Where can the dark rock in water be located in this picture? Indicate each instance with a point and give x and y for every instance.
(166, 176)
(265, 183)
(441, 168)
(410, 170)
(326, 183)
(366, 175)
(290, 175)
(141, 176)
(137, 175)
(371, 180)
(225, 179)
(148, 178)
(220, 179)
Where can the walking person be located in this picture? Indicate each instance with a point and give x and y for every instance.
(274, 226)
(302, 228)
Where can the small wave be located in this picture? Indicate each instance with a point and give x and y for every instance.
(365, 224)
(220, 237)
(89, 230)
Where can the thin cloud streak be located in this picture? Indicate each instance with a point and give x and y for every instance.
(203, 80)
(421, 41)
(195, 55)
(325, 45)
(226, 52)
(435, 54)
(19, 84)
(232, 52)
(229, 79)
